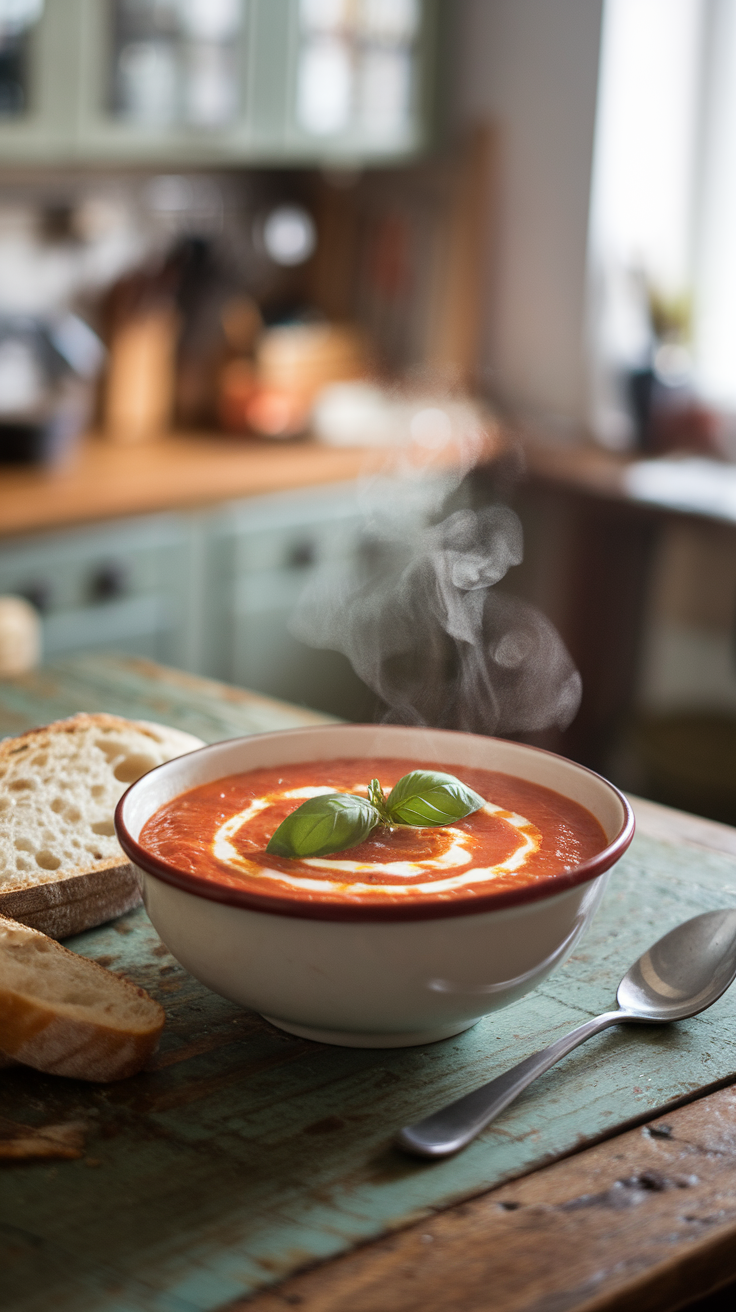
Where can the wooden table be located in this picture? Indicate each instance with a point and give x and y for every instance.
(641, 1222)
(645, 1219)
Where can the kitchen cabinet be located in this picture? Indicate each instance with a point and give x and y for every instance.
(210, 591)
(180, 83)
(122, 587)
(264, 553)
(39, 123)
(205, 542)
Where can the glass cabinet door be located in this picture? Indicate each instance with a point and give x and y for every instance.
(357, 74)
(175, 62)
(17, 19)
(208, 82)
(165, 79)
(38, 66)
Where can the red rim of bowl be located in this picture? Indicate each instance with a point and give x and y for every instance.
(459, 906)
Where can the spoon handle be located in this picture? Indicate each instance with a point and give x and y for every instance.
(455, 1125)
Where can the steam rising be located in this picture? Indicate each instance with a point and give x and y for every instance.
(419, 617)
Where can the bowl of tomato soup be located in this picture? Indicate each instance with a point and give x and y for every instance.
(409, 936)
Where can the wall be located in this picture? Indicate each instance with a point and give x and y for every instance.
(532, 67)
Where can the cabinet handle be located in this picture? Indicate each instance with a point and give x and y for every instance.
(40, 595)
(109, 581)
(301, 555)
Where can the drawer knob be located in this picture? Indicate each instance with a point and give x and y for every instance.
(301, 555)
(109, 581)
(38, 593)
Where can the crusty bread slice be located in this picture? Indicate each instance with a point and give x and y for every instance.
(61, 869)
(66, 1015)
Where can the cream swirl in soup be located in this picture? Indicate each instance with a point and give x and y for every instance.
(524, 833)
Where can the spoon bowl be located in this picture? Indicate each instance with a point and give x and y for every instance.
(684, 972)
(679, 976)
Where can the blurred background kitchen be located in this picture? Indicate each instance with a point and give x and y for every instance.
(257, 256)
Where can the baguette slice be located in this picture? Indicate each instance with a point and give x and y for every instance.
(61, 869)
(66, 1015)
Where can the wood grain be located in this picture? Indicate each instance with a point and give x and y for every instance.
(20, 1142)
(243, 1154)
(678, 827)
(107, 481)
(143, 690)
(646, 1221)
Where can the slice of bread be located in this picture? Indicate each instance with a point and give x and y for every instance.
(61, 869)
(64, 1014)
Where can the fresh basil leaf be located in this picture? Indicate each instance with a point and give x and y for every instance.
(429, 797)
(323, 825)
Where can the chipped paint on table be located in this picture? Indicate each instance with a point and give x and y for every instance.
(140, 689)
(243, 1153)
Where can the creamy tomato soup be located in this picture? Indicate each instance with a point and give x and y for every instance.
(523, 834)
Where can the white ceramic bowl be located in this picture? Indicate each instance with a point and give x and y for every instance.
(384, 977)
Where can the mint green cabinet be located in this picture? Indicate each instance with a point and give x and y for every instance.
(290, 81)
(266, 552)
(125, 586)
(46, 127)
(208, 591)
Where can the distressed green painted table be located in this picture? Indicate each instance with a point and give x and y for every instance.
(244, 1154)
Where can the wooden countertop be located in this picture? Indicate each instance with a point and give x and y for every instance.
(180, 471)
(107, 481)
(698, 487)
(582, 467)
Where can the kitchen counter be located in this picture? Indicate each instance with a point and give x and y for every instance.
(678, 484)
(183, 470)
(193, 549)
(107, 481)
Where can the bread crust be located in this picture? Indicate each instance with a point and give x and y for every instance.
(74, 898)
(104, 1043)
(75, 902)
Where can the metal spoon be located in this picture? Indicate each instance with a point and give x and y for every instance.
(681, 975)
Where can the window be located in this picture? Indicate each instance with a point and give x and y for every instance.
(663, 213)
